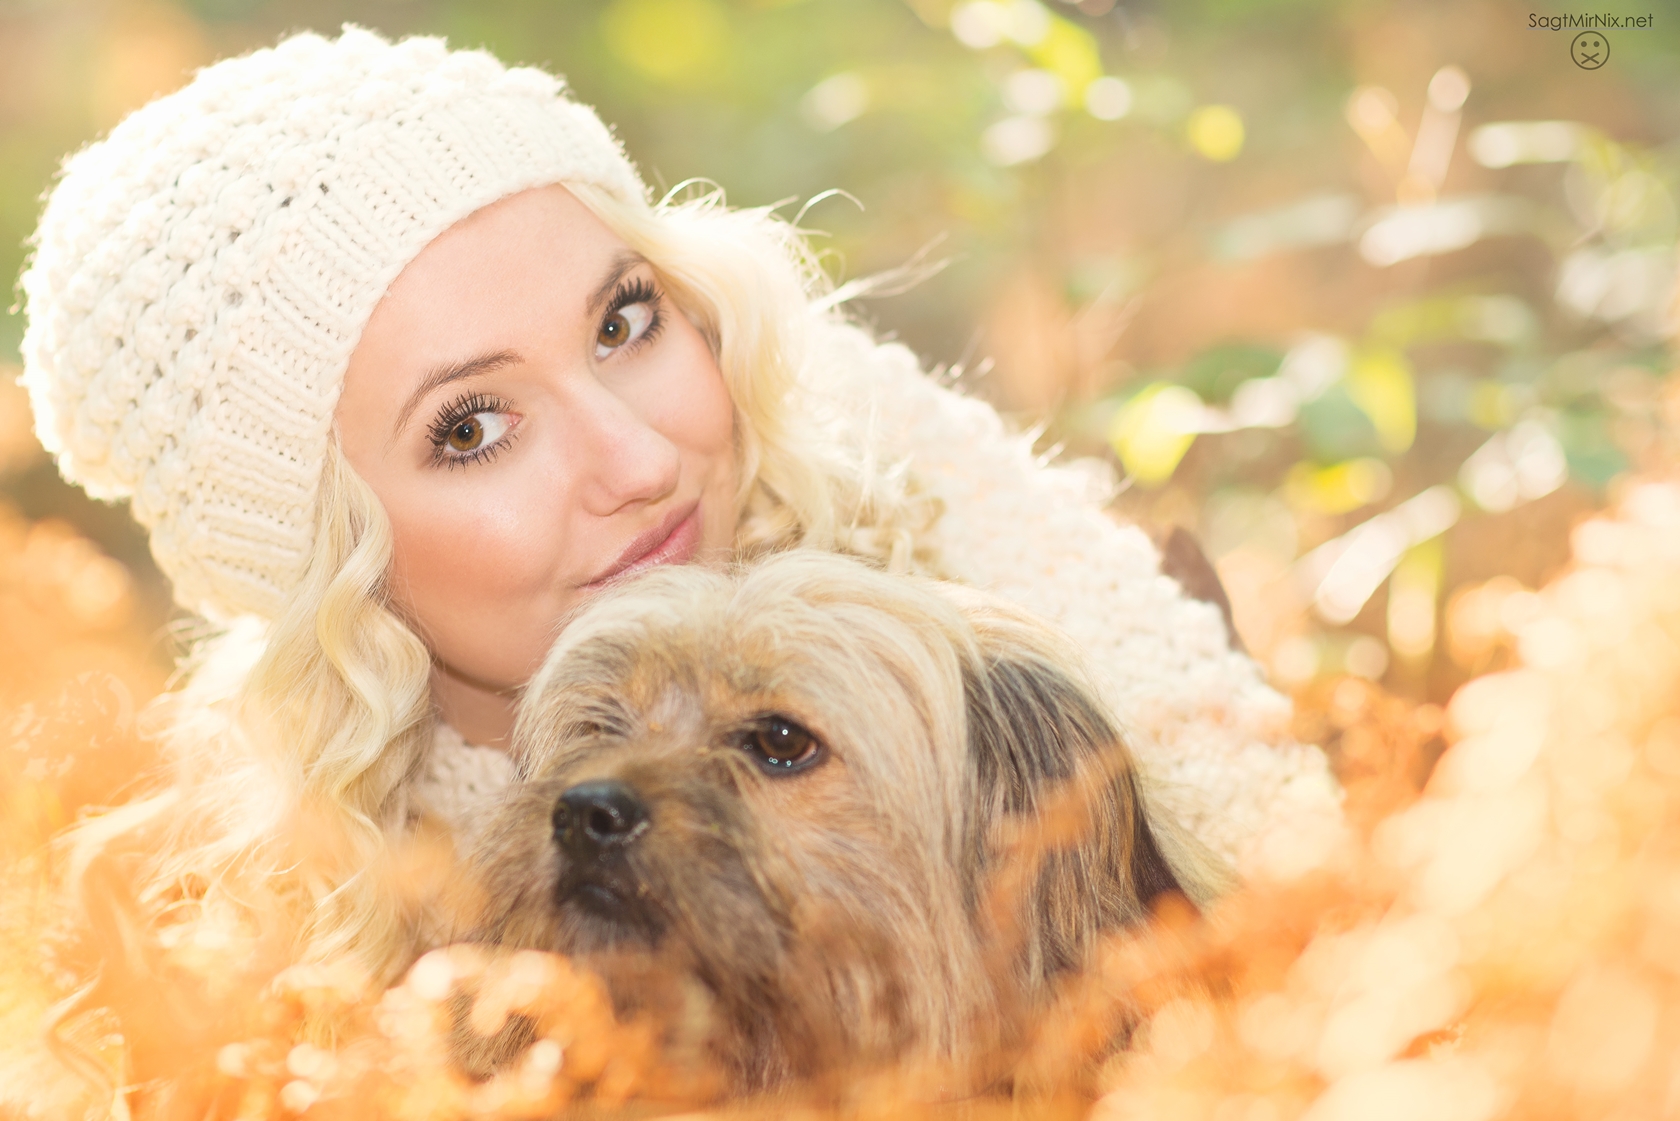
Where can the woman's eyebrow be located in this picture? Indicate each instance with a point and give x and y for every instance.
(443, 374)
(622, 265)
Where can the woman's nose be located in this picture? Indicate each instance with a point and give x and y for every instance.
(626, 460)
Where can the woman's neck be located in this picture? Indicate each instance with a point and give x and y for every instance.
(481, 713)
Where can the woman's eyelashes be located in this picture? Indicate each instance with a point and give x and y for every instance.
(474, 429)
(633, 318)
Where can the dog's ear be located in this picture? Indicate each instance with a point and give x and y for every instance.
(1060, 823)
(1183, 560)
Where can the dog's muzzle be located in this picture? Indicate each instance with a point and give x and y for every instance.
(595, 825)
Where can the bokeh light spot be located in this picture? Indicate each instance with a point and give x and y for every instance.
(671, 40)
(1216, 132)
(1108, 98)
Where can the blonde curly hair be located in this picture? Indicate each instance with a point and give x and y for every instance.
(316, 724)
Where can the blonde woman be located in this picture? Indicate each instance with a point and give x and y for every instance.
(397, 363)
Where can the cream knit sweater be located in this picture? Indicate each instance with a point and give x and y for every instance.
(1212, 737)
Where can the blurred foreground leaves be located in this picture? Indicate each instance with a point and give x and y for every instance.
(74, 672)
(1498, 945)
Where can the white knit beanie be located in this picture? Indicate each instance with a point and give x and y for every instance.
(202, 275)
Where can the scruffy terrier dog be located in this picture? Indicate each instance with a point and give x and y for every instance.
(797, 789)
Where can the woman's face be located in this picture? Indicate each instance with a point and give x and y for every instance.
(536, 418)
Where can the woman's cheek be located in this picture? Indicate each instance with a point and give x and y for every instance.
(467, 566)
(688, 401)
(710, 446)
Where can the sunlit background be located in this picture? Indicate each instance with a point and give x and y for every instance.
(1371, 296)
(1376, 298)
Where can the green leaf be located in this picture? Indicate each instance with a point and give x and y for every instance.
(1380, 382)
(1154, 429)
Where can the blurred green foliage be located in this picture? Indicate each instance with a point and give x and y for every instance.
(1287, 263)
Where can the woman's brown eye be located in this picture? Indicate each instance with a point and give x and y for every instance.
(467, 435)
(614, 332)
(627, 325)
(472, 430)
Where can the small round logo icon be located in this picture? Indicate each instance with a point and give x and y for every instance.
(1590, 50)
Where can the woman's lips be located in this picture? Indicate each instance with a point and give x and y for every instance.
(673, 541)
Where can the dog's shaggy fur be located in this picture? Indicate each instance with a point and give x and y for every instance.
(853, 817)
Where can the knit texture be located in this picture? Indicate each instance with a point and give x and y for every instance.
(461, 784)
(202, 275)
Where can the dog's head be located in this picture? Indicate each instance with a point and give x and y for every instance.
(796, 787)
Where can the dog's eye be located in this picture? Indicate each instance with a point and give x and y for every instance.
(590, 729)
(780, 745)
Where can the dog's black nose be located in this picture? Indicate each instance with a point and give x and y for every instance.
(593, 817)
